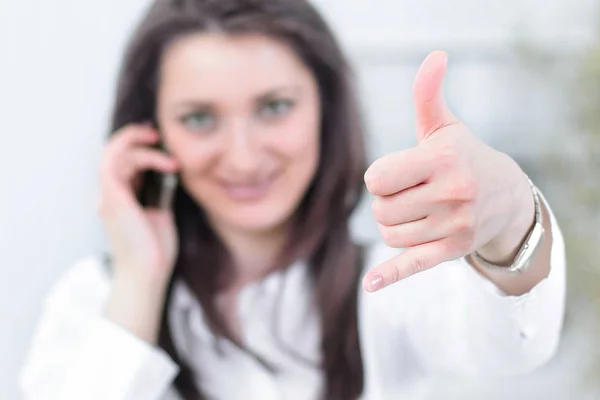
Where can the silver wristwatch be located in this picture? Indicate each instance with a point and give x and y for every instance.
(530, 246)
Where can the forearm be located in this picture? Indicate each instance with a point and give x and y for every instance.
(136, 306)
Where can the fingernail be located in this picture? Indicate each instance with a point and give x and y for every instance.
(375, 284)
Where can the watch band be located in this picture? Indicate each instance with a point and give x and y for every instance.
(530, 245)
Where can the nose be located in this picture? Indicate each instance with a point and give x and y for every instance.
(241, 150)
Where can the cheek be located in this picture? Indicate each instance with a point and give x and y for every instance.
(194, 157)
(301, 141)
(301, 151)
(196, 164)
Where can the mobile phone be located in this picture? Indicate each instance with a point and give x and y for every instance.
(157, 190)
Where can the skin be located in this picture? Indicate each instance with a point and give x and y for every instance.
(240, 119)
(450, 196)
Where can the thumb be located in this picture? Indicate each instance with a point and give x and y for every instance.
(430, 106)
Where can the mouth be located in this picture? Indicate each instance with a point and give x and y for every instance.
(249, 191)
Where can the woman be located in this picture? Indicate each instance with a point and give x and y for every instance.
(247, 285)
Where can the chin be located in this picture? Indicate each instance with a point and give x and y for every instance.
(253, 225)
(257, 218)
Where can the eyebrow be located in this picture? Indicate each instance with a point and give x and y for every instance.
(277, 91)
(202, 104)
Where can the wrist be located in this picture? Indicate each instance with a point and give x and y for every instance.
(136, 304)
(503, 249)
(138, 280)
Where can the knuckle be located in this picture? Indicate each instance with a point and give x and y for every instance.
(417, 265)
(374, 182)
(381, 211)
(128, 134)
(377, 209)
(118, 137)
(466, 224)
(447, 157)
(395, 272)
(128, 130)
(465, 189)
(389, 236)
(458, 248)
(448, 247)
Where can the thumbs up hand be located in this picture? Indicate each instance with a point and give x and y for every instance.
(447, 197)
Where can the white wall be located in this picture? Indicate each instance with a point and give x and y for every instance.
(433, 22)
(57, 65)
(58, 61)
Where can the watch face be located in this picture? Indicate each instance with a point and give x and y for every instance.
(531, 244)
(529, 248)
(534, 238)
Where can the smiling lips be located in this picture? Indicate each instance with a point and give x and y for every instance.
(248, 191)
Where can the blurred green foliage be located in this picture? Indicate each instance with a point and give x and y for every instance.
(579, 172)
(570, 170)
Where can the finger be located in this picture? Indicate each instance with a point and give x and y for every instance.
(399, 171)
(431, 110)
(406, 206)
(142, 159)
(412, 261)
(412, 234)
(134, 135)
(130, 164)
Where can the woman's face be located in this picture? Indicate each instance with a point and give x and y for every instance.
(241, 115)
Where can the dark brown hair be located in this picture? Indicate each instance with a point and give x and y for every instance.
(320, 232)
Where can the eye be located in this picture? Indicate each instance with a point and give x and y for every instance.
(199, 121)
(276, 107)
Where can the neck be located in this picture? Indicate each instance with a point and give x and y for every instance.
(253, 253)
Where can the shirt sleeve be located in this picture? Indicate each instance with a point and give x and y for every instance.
(457, 322)
(78, 354)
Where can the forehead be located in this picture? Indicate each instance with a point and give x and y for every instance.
(221, 64)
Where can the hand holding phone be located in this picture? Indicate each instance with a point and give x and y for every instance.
(157, 189)
(138, 182)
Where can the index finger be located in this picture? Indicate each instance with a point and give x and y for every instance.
(412, 261)
(133, 135)
(396, 172)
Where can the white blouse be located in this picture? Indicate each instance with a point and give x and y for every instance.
(445, 322)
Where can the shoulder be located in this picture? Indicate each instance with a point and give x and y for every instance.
(85, 284)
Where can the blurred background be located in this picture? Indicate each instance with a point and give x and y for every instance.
(523, 74)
